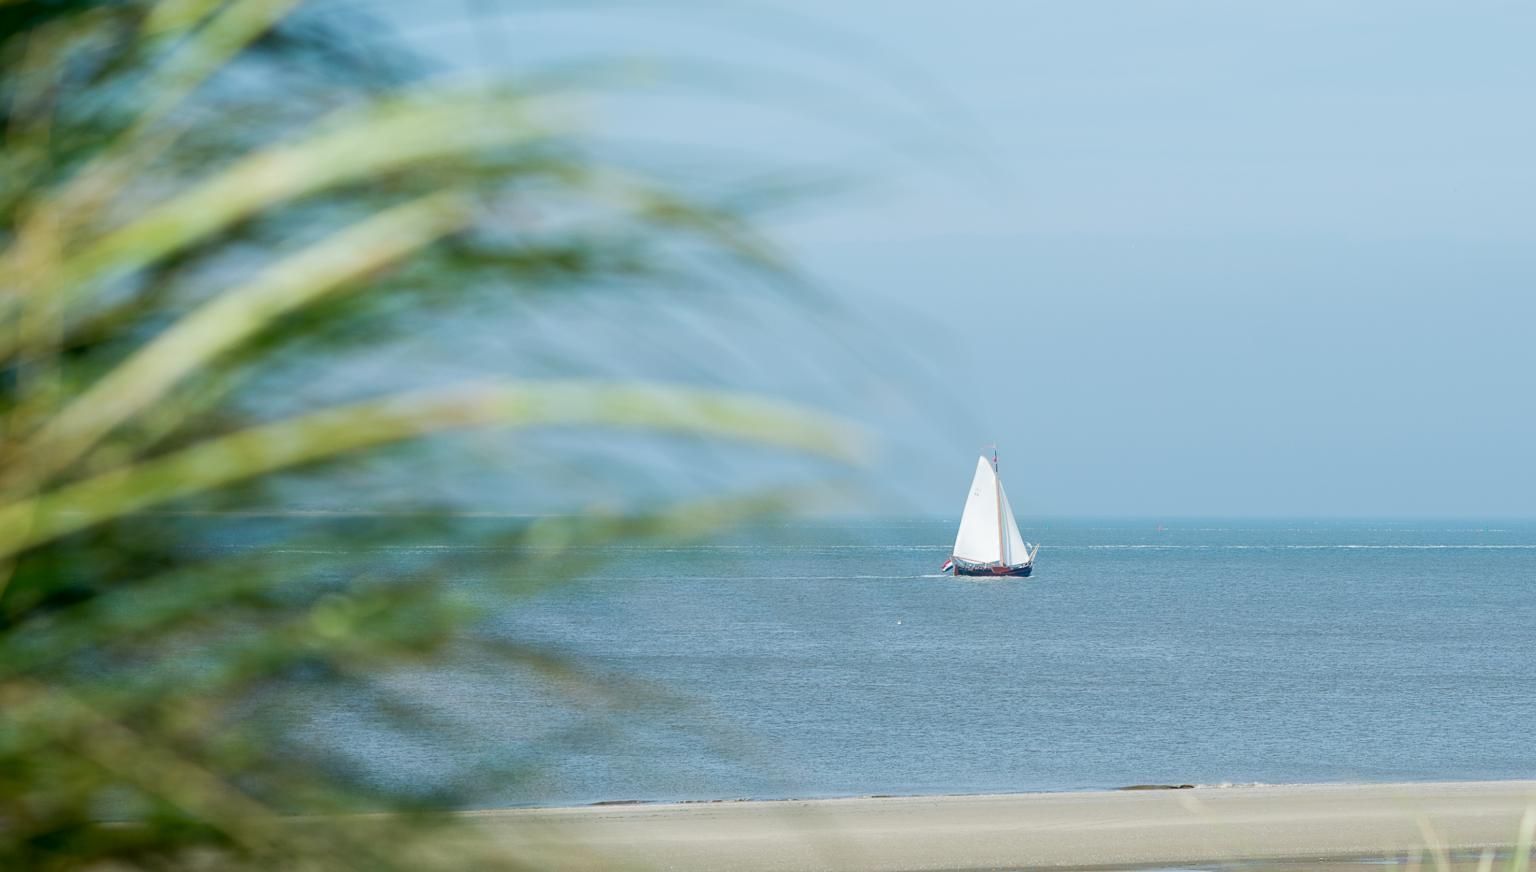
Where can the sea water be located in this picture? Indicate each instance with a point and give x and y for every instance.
(811, 660)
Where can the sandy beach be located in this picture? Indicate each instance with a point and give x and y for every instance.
(1317, 824)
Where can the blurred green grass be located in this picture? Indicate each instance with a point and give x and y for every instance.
(194, 194)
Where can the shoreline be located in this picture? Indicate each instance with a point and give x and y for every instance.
(608, 803)
(1049, 791)
(1157, 826)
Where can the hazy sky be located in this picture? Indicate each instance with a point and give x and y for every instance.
(1177, 258)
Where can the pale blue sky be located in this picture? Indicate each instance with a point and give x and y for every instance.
(1178, 258)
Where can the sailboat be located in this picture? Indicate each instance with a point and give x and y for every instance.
(989, 542)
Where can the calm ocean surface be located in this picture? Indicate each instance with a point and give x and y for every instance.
(820, 660)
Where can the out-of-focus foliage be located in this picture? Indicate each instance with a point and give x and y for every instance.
(194, 195)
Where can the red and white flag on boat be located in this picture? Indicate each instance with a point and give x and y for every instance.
(948, 565)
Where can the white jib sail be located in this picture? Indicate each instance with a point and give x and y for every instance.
(977, 541)
(1017, 551)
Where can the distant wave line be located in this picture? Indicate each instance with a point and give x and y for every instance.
(1299, 547)
(675, 577)
(938, 550)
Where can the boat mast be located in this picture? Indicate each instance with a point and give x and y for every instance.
(997, 487)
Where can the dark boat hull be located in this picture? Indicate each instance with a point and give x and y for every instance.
(995, 571)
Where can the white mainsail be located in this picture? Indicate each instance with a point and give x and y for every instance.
(1016, 550)
(988, 532)
(978, 540)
